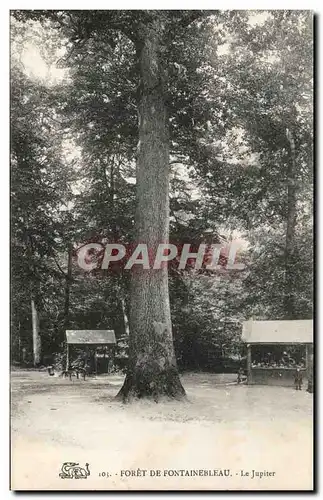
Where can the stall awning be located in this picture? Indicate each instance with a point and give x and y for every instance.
(90, 337)
(278, 332)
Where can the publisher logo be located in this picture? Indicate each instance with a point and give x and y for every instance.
(72, 470)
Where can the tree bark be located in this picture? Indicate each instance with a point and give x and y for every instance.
(36, 336)
(290, 229)
(152, 370)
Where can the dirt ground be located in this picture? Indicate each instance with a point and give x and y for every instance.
(222, 428)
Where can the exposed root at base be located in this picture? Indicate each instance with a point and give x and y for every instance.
(162, 386)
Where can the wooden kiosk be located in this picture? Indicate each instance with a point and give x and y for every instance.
(91, 339)
(273, 338)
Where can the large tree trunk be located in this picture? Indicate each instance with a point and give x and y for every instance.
(152, 369)
(290, 230)
(36, 336)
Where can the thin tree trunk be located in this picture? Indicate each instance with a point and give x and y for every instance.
(34, 311)
(112, 208)
(125, 317)
(290, 230)
(152, 369)
(19, 342)
(36, 336)
(68, 279)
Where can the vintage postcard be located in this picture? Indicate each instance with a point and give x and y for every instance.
(161, 250)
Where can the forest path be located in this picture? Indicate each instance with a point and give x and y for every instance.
(221, 426)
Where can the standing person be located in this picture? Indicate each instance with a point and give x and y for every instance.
(298, 379)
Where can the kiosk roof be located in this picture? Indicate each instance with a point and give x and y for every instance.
(278, 332)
